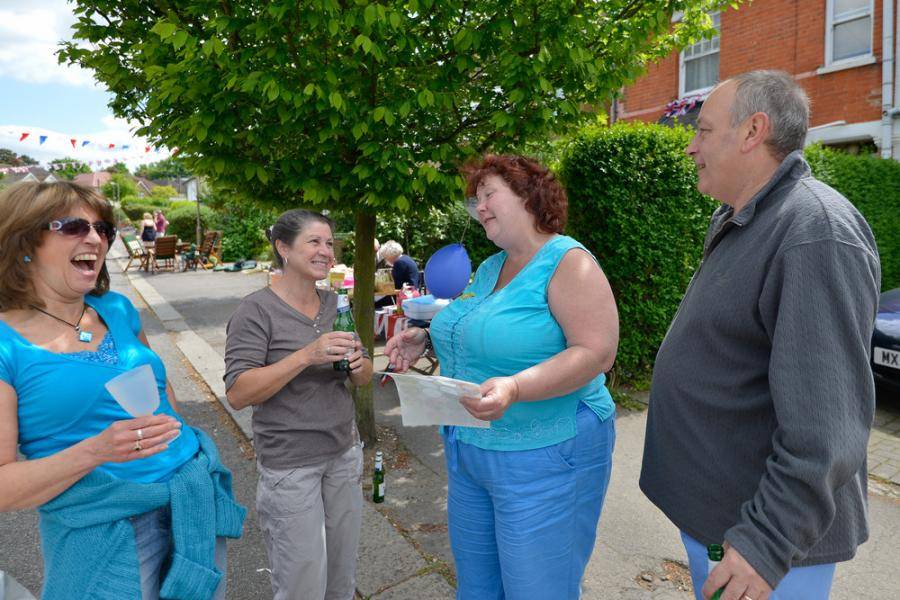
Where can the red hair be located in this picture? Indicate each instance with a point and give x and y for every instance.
(545, 198)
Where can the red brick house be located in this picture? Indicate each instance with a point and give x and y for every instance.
(843, 52)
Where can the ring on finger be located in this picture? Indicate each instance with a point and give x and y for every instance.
(140, 434)
(327, 349)
(746, 597)
(137, 446)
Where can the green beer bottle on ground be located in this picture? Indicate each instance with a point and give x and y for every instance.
(378, 479)
(714, 554)
(343, 322)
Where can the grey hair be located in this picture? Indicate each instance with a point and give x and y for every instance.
(389, 248)
(288, 227)
(777, 94)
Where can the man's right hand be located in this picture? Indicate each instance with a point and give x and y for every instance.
(405, 348)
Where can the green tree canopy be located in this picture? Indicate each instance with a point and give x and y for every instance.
(119, 186)
(8, 157)
(169, 168)
(118, 167)
(365, 106)
(68, 168)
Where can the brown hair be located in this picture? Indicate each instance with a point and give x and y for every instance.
(25, 210)
(545, 198)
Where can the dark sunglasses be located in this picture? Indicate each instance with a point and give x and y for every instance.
(78, 227)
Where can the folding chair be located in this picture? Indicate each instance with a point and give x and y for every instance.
(166, 251)
(136, 251)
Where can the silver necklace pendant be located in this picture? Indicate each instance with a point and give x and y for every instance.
(85, 336)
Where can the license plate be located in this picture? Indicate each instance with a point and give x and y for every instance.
(886, 358)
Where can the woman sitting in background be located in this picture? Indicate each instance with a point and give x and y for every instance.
(403, 269)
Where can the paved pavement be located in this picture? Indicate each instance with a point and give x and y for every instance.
(404, 552)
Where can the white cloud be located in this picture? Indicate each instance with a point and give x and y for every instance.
(29, 39)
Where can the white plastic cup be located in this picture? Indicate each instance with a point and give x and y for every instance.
(135, 391)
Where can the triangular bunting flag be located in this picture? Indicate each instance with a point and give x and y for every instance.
(73, 142)
(43, 139)
(85, 143)
(24, 135)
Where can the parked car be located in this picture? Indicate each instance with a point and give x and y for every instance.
(886, 345)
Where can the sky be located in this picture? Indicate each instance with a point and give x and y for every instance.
(42, 97)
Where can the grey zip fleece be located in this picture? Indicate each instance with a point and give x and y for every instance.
(762, 397)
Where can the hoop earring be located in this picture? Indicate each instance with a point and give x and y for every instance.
(285, 260)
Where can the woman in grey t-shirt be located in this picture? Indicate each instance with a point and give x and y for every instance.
(278, 359)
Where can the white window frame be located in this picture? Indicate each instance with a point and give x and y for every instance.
(830, 23)
(682, 67)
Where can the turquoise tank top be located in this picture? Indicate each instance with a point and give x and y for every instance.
(62, 399)
(484, 334)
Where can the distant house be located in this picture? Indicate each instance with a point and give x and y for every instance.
(98, 179)
(843, 53)
(95, 180)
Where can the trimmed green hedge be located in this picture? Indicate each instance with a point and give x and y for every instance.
(872, 184)
(634, 203)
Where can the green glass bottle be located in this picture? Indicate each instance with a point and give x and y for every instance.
(714, 554)
(343, 322)
(378, 479)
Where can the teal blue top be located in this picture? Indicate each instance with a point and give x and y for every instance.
(88, 540)
(62, 399)
(484, 334)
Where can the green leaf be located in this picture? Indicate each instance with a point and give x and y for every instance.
(388, 117)
(262, 174)
(164, 29)
(309, 89)
(378, 113)
(370, 14)
(179, 39)
(402, 203)
(404, 109)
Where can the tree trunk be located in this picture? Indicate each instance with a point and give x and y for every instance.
(364, 315)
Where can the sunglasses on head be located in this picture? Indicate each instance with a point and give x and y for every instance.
(78, 227)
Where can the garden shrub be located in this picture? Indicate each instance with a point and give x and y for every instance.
(423, 233)
(245, 229)
(872, 184)
(136, 210)
(633, 202)
(183, 222)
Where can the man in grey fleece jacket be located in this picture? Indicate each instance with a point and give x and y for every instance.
(762, 397)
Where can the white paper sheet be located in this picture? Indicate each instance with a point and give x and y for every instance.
(434, 400)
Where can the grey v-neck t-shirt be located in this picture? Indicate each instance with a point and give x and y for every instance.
(311, 419)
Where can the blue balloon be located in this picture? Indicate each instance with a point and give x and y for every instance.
(447, 271)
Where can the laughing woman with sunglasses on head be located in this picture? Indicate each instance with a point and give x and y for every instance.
(118, 497)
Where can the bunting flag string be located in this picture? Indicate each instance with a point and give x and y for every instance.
(86, 143)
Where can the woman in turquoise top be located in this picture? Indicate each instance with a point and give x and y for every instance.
(63, 335)
(536, 328)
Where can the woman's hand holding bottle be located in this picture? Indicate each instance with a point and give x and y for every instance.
(331, 347)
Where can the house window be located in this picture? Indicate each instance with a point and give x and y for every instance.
(849, 30)
(700, 64)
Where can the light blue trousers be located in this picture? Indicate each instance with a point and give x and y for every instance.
(523, 523)
(153, 538)
(800, 583)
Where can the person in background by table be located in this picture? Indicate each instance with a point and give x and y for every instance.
(279, 353)
(148, 229)
(403, 269)
(119, 498)
(161, 222)
(536, 329)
